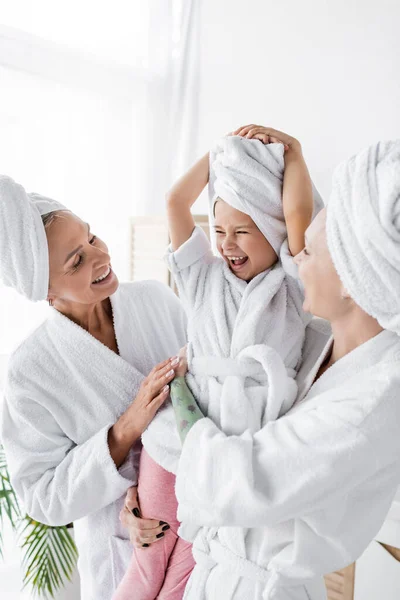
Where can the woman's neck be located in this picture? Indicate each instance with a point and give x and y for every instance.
(92, 317)
(352, 330)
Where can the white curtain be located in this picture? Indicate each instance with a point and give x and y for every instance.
(185, 58)
(170, 116)
(105, 137)
(73, 144)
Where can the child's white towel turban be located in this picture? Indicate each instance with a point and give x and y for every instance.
(363, 230)
(24, 255)
(248, 175)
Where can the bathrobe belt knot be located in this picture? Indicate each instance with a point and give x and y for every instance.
(252, 362)
(219, 554)
(259, 365)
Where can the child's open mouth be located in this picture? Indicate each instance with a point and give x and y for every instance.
(236, 262)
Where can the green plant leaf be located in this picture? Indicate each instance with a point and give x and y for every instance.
(50, 557)
(9, 507)
(49, 553)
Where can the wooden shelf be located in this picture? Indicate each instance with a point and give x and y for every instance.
(148, 244)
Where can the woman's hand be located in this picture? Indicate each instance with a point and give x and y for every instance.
(153, 392)
(142, 532)
(267, 135)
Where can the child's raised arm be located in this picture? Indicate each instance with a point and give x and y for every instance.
(297, 195)
(181, 198)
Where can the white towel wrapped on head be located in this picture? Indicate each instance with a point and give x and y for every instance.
(363, 230)
(248, 175)
(24, 255)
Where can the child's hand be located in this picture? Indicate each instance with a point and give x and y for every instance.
(267, 135)
(182, 367)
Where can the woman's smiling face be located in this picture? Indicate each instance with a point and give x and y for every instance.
(80, 269)
(323, 290)
(241, 244)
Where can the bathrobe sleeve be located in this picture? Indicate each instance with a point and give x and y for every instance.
(189, 266)
(288, 264)
(294, 284)
(57, 481)
(291, 467)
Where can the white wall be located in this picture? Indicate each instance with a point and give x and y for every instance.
(323, 71)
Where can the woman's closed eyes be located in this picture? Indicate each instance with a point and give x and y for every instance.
(82, 257)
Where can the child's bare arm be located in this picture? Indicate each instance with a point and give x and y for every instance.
(297, 195)
(181, 198)
(297, 198)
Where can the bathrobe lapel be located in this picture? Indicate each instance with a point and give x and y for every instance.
(109, 380)
(346, 369)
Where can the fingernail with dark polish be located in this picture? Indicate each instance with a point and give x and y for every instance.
(163, 523)
(136, 512)
(160, 535)
(145, 545)
(165, 527)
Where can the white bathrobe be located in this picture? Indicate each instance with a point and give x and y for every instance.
(245, 342)
(65, 389)
(314, 486)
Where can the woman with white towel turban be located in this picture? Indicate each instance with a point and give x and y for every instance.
(78, 393)
(314, 486)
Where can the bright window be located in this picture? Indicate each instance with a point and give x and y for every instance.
(71, 103)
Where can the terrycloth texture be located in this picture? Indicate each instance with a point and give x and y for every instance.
(248, 175)
(245, 343)
(24, 254)
(363, 230)
(245, 340)
(303, 484)
(64, 391)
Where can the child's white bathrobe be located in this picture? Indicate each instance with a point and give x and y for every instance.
(314, 486)
(245, 345)
(245, 342)
(245, 339)
(65, 390)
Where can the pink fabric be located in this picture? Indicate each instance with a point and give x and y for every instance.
(162, 570)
